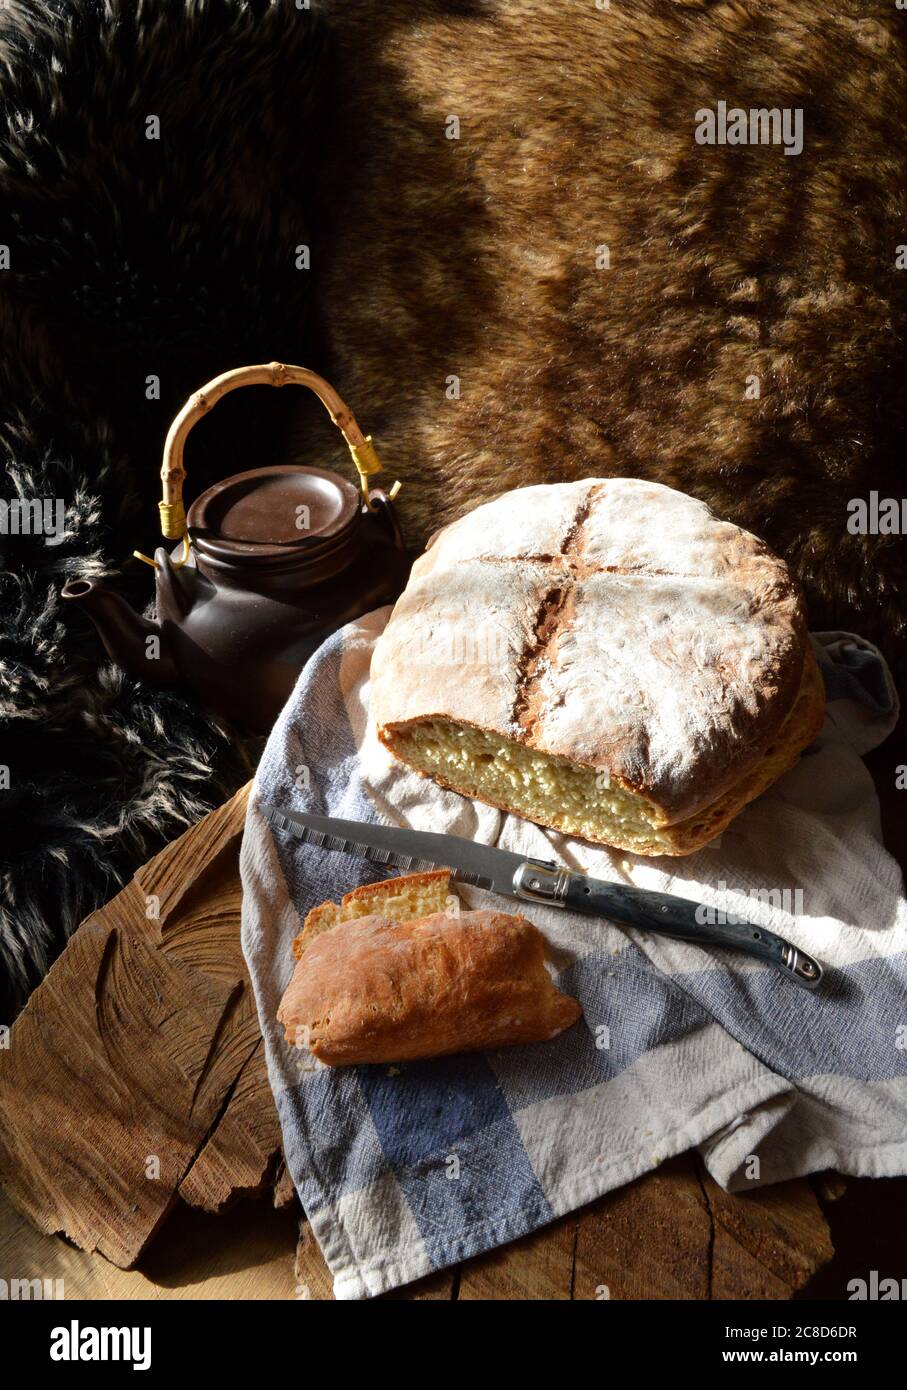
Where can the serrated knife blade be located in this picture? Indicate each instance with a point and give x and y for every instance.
(414, 851)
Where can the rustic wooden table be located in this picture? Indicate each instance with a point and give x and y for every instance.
(136, 1120)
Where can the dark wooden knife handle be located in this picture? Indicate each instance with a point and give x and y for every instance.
(660, 913)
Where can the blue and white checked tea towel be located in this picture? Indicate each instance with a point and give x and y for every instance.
(403, 1170)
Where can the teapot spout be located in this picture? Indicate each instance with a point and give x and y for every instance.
(124, 633)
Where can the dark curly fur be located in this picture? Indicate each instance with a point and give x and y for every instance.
(476, 257)
(129, 258)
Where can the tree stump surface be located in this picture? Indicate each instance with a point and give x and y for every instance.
(135, 1074)
(134, 1089)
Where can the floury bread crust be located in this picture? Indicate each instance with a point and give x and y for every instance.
(604, 657)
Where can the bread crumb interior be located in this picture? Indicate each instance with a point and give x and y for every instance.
(541, 787)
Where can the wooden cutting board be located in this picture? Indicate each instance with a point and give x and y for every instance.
(136, 1072)
(134, 1090)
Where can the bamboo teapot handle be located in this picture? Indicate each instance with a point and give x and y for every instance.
(365, 457)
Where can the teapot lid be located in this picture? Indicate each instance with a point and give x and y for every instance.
(274, 513)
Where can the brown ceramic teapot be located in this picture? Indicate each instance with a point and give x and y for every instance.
(269, 563)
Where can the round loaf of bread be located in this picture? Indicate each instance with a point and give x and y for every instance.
(606, 658)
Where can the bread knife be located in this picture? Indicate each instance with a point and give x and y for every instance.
(542, 881)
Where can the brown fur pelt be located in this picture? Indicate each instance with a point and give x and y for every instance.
(476, 258)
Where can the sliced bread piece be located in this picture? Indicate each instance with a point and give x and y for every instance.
(380, 991)
(401, 899)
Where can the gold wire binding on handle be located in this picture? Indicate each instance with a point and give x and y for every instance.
(365, 457)
(176, 564)
(173, 520)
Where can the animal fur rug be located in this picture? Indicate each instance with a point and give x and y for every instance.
(562, 282)
(130, 259)
(525, 268)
